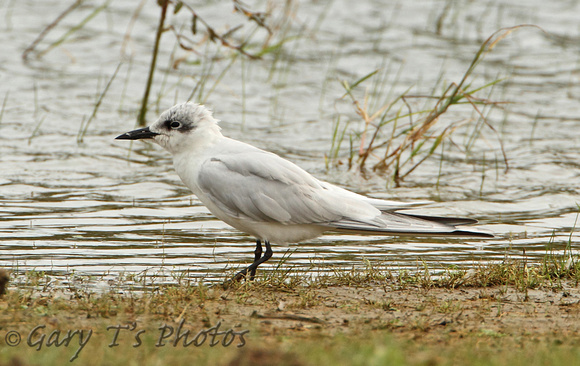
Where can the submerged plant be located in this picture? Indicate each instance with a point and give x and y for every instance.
(395, 139)
(186, 43)
(199, 32)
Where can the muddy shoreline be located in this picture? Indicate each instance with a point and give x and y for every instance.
(260, 324)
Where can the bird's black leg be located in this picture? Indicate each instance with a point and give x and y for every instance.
(252, 267)
(257, 256)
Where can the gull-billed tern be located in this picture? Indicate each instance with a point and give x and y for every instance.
(266, 196)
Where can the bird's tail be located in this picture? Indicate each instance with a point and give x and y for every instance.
(397, 223)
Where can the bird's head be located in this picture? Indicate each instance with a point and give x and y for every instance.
(179, 128)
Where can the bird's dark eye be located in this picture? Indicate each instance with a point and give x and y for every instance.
(175, 124)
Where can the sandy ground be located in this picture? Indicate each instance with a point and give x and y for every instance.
(432, 320)
(413, 312)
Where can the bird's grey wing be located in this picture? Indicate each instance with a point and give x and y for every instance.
(261, 186)
(394, 218)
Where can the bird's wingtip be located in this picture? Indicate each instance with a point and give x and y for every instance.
(473, 234)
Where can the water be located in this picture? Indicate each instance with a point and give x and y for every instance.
(103, 207)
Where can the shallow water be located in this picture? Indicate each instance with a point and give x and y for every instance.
(104, 207)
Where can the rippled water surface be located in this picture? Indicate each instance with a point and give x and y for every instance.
(104, 207)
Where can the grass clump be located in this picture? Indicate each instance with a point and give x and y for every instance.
(395, 138)
(555, 271)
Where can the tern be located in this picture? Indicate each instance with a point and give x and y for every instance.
(271, 198)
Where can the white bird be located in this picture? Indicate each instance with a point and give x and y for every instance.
(266, 196)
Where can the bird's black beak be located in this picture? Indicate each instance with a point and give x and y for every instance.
(142, 133)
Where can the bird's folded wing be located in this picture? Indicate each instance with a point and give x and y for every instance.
(263, 187)
(260, 186)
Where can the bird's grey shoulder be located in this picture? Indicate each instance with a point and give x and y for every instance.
(237, 162)
(260, 186)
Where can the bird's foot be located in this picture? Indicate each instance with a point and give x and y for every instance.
(258, 259)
